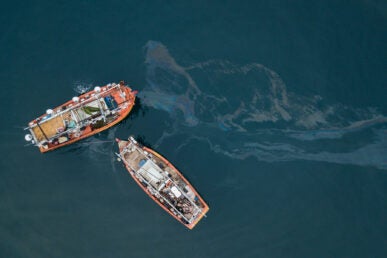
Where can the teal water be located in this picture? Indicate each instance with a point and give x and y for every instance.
(274, 110)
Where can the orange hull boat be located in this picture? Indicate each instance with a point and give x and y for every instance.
(162, 182)
(81, 117)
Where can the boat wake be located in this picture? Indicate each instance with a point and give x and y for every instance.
(96, 147)
(247, 111)
(100, 148)
(82, 87)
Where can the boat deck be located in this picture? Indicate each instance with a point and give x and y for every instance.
(74, 120)
(51, 127)
(163, 183)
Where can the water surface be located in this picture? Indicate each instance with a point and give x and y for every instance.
(274, 111)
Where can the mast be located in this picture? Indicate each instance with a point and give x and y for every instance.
(101, 109)
(73, 115)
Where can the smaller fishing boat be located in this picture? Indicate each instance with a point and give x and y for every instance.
(81, 117)
(162, 182)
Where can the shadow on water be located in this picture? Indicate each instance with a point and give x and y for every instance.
(138, 109)
(143, 141)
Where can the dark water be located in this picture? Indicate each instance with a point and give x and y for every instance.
(275, 111)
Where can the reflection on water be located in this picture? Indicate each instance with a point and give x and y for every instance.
(246, 110)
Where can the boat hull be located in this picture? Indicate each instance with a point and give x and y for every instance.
(205, 207)
(123, 95)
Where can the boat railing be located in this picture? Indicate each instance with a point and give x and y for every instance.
(154, 189)
(76, 129)
(77, 105)
(176, 186)
(185, 195)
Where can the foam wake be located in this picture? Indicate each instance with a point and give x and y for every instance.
(82, 87)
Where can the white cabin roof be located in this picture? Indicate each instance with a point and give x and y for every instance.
(175, 191)
(151, 171)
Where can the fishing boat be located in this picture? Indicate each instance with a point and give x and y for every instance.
(162, 182)
(81, 117)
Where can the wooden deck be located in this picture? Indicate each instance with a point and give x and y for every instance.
(49, 127)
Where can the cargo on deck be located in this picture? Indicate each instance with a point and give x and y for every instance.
(81, 117)
(162, 182)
